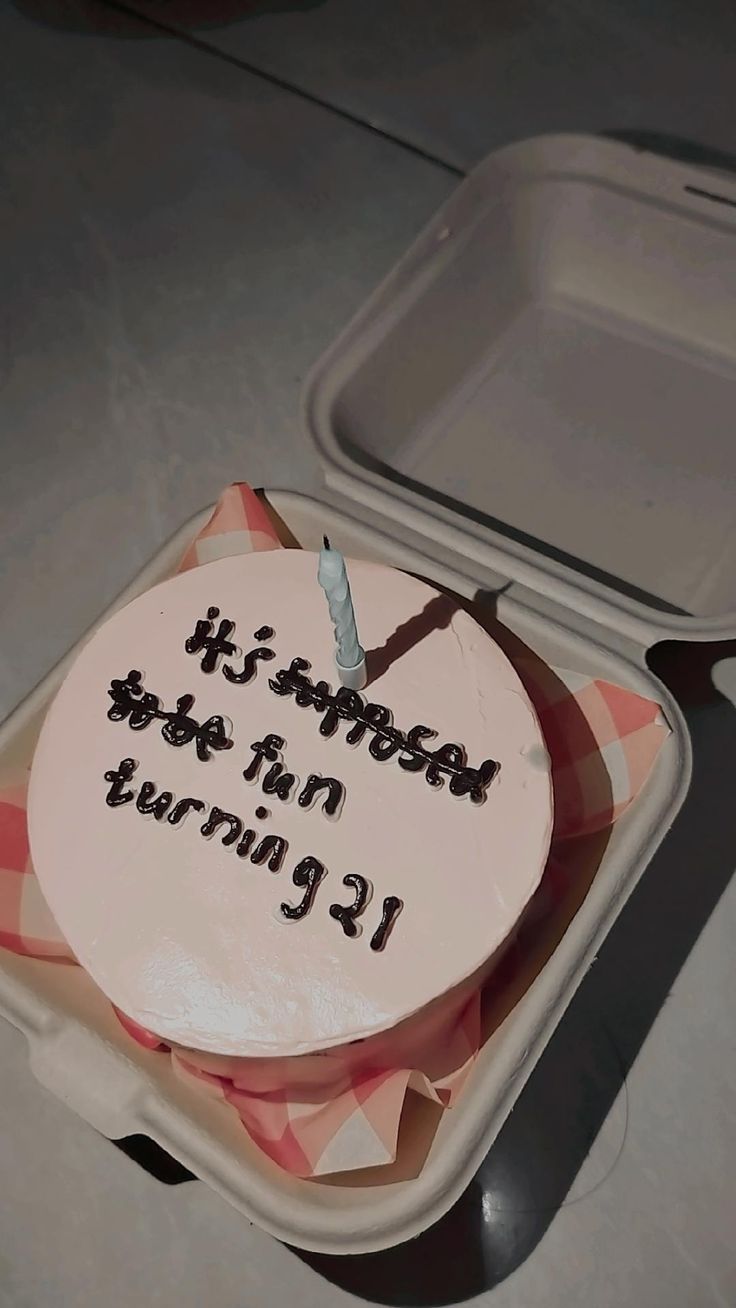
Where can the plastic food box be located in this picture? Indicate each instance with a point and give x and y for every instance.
(532, 411)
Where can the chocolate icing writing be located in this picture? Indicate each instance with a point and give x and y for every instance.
(415, 761)
(246, 840)
(261, 813)
(346, 914)
(250, 664)
(140, 707)
(272, 848)
(387, 740)
(268, 748)
(118, 778)
(306, 875)
(217, 817)
(145, 802)
(184, 806)
(278, 782)
(214, 646)
(392, 906)
(313, 784)
(218, 644)
(131, 701)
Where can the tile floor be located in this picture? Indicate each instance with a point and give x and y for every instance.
(458, 78)
(182, 237)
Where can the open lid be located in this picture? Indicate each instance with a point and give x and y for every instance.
(546, 383)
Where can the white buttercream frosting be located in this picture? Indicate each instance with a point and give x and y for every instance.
(186, 937)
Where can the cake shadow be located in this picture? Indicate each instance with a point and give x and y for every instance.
(528, 1173)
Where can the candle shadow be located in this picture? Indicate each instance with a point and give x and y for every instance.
(436, 614)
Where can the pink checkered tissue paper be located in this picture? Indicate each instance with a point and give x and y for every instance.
(340, 1110)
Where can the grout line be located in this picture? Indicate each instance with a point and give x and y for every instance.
(710, 195)
(283, 85)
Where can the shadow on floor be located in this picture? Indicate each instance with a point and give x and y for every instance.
(676, 147)
(154, 1160)
(528, 1172)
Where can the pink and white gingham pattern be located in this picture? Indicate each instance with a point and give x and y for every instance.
(26, 924)
(338, 1111)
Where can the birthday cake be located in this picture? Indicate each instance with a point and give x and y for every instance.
(251, 859)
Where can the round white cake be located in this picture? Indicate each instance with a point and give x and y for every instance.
(249, 860)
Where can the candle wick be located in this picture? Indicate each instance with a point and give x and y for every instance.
(326, 540)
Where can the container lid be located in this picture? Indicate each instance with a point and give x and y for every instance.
(546, 383)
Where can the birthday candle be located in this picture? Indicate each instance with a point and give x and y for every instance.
(349, 655)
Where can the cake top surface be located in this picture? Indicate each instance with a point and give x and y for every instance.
(225, 924)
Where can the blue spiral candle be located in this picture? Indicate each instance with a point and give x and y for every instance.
(349, 655)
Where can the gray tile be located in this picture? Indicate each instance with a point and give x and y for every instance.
(180, 241)
(461, 77)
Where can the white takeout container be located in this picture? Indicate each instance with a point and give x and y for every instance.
(534, 403)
